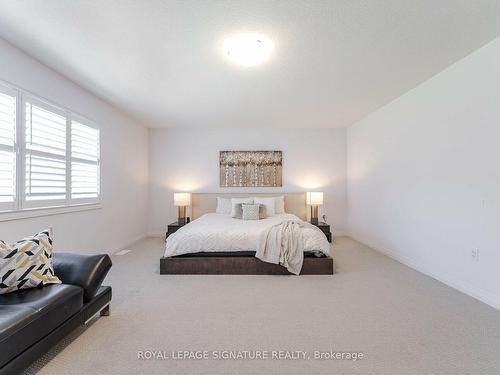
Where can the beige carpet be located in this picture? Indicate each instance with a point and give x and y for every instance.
(402, 321)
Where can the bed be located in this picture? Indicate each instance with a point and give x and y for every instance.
(219, 244)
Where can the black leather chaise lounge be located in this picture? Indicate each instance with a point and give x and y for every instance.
(32, 321)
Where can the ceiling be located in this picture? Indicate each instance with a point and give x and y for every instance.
(334, 61)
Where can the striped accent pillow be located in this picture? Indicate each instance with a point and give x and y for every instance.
(27, 263)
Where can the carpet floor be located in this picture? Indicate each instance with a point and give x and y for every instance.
(401, 320)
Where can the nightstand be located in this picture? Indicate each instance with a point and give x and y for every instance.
(172, 228)
(325, 228)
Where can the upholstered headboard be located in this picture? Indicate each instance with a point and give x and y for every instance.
(203, 203)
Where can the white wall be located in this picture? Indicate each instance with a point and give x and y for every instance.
(124, 170)
(188, 160)
(424, 176)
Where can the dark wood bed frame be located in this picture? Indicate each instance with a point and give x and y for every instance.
(243, 264)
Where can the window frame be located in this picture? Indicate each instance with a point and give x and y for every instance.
(83, 121)
(12, 91)
(25, 203)
(20, 206)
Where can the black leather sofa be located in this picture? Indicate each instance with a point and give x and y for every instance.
(32, 321)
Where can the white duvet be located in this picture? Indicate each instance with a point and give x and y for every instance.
(218, 232)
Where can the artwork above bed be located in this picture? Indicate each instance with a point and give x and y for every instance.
(250, 168)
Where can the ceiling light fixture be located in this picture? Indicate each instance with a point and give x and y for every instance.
(248, 49)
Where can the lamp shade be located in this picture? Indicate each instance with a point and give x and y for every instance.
(182, 199)
(315, 198)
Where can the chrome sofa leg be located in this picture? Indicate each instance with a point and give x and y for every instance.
(105, 311)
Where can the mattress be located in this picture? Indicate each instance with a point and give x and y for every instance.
(221, 233)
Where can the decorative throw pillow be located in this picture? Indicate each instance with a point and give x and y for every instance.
(262, 212)
(268, 202)
(250, 211)
(27, 263)
(239, 211)
(279, 205)
(223, 206)
(235, 201)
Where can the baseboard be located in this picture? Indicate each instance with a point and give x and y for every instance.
(156, 234)
(128, 243)
(478, 293)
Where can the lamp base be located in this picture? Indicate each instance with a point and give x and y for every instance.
(182, 215)
(314, 214)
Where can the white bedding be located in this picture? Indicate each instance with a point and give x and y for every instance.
(219, 232)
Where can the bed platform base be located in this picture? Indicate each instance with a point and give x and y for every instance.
(239, 265)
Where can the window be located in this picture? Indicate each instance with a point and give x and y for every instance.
(84, 161)
(45, 154)
(7, 149)
(49, 156)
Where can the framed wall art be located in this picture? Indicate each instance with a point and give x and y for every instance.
(250, 168)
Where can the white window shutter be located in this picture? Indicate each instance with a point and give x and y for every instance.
(45, 155)
(85, 179)
(7, 150)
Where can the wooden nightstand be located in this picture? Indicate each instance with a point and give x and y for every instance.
(325, 228)
(172, 228)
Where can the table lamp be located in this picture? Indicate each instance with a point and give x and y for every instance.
(182, 200)
(314, 199)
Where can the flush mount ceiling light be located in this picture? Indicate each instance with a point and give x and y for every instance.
(248, 49)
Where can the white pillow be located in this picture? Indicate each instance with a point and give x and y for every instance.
(235, 201)
(223, 206)
(279, 205)
(268, 202)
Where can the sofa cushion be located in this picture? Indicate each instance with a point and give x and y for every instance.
(27, 263)
(86, 271)
(28, 315)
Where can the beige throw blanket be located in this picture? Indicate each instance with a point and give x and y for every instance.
(283, 244)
